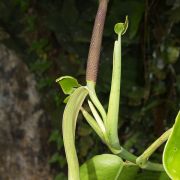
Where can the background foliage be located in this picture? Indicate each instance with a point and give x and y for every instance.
(53, 39)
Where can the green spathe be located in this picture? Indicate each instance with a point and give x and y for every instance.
(120, 28)
(69, 125)
(114, 98)
(68, 84)
(171, 154)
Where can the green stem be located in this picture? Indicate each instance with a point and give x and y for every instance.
(127, 155)
(92, 122)
(132, 158)
(97, 117)
(153, 166)
(95, 100)
(141, 160)
(123, 153)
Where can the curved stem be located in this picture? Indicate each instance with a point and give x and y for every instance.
(97, 117)
(127, 155)
(95, 100)
(96, 39)
(92, 122)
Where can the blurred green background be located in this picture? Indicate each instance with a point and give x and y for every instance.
(53, 38)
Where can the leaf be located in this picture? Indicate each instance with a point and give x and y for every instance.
(101, 167)
(108, 166)
(151, 175)
(68, 84)
(163, 176)
(128, 172)
(171, 154)
(69, 124)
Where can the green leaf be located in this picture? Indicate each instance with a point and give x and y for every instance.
(69, 125)
(110, 166)
(151, 175)
(128, 172)
(164, 176)
(100, 167)
(171, 154)
(68, 84)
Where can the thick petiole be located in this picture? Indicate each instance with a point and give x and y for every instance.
(141, 160)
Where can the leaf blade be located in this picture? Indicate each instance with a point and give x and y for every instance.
(171, 154)
(101, 166)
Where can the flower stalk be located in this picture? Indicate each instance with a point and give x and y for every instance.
(96, 40)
